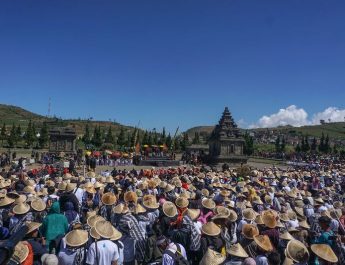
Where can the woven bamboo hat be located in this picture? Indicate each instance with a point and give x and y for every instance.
(38, 204)
(70, 187)
(208, 204)
(169, 209)
(212, 257)
(6, 201)
(76, 238)
(104, 229)
(169, 188)
(286, 236)
(94, 234)
(109, 179)
(193, 213)
(181, 202)
(32, 226)
(21, 251)
(91, 221)
(269, 218)
(297, 251)
(210, 229)
(22, 198)
(324, 252)
(205, 192)
(249, 231)
(284, 217)
(304, 224)
(21, 208)
(139, 209)
(120, 209)
(62, 186)
(264, 242)
(131, 196)
(248, 214)
(257, 200)
(150, 202)
(108, 198)
(116, 234)
(91, 189)
(237, 250)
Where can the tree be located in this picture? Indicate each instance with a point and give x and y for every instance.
(18, 134)
(97, 137)
(168, 141)
(322, 144)
(44, 137)
(283, 145)
(149, 139)
(185, 141)
(196, 139)
(313, 146)
(121, 141)
(163, 138)
(335, 149)
(327, 145)
(248, 148)
(298, 148)
(306, 144)
(30, 135)
(3, 134)
(145, 138)
(12, 137)
(86, 136)
(133, 139)
(109, 138)
(277, 144)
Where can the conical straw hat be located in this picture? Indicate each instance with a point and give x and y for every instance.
(264, 242)
(324, 252)
(22, 198)
(181, 202)
(104, 229)
(193, 213)
(70, 187)
(210, 229)
(237, 250)
(139, 209)
(21, 251)
(91, 221)
(150, 202)
(130, 196)
(6, 201)
(297, 251)
(208, 204)
(108, 198)
(120, 209)
(116, 234)
(286, 236)
(249, 231)
(169, 209)
(304, 224)
(248, 214)
(269, 218)
(76, 238)
(21, 208)
(38, 205)
(32, 226)
(94, 234)
(212, 257)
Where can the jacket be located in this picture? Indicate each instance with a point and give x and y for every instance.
(54, 225)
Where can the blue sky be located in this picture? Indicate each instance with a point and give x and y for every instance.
(175, 63)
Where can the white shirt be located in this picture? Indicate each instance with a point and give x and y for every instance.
(167, 259)
(79, 194)
(108, 252)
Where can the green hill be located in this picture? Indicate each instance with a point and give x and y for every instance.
(19, 116)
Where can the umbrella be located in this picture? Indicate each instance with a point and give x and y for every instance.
(96, 153)
(88, 153)
(108, 152)
(116, 154)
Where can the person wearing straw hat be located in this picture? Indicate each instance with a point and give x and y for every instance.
(73, 248)
(173, 253)
(210, 237)
(69, 195)
(37, 243)
(247, 239)
(55, 224)
(103, 251)
(236, 255)
(226, 220)
(21, 215)
(38, 209)
(108, 202)
(269, 217)
(5, 210)
(264, 247)
(325, 254)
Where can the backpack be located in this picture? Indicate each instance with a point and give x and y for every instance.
(177, 256)
(180, 236)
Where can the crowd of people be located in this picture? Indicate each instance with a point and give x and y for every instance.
(170, 216)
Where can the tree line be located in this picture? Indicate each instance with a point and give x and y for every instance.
(31, 137)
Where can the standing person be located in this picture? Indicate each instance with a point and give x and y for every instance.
(172, 252)
(69, 196)
(103, 251)
(54, 225)
(264, 247)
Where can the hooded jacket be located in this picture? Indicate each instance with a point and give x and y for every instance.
(55, 224)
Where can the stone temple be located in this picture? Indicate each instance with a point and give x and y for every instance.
(226, 142)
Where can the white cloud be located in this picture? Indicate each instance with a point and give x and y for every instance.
(331, 114)
(290, 116)
(295, 116)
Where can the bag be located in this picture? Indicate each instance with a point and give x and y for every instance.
(180, 236)
(177, 256)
